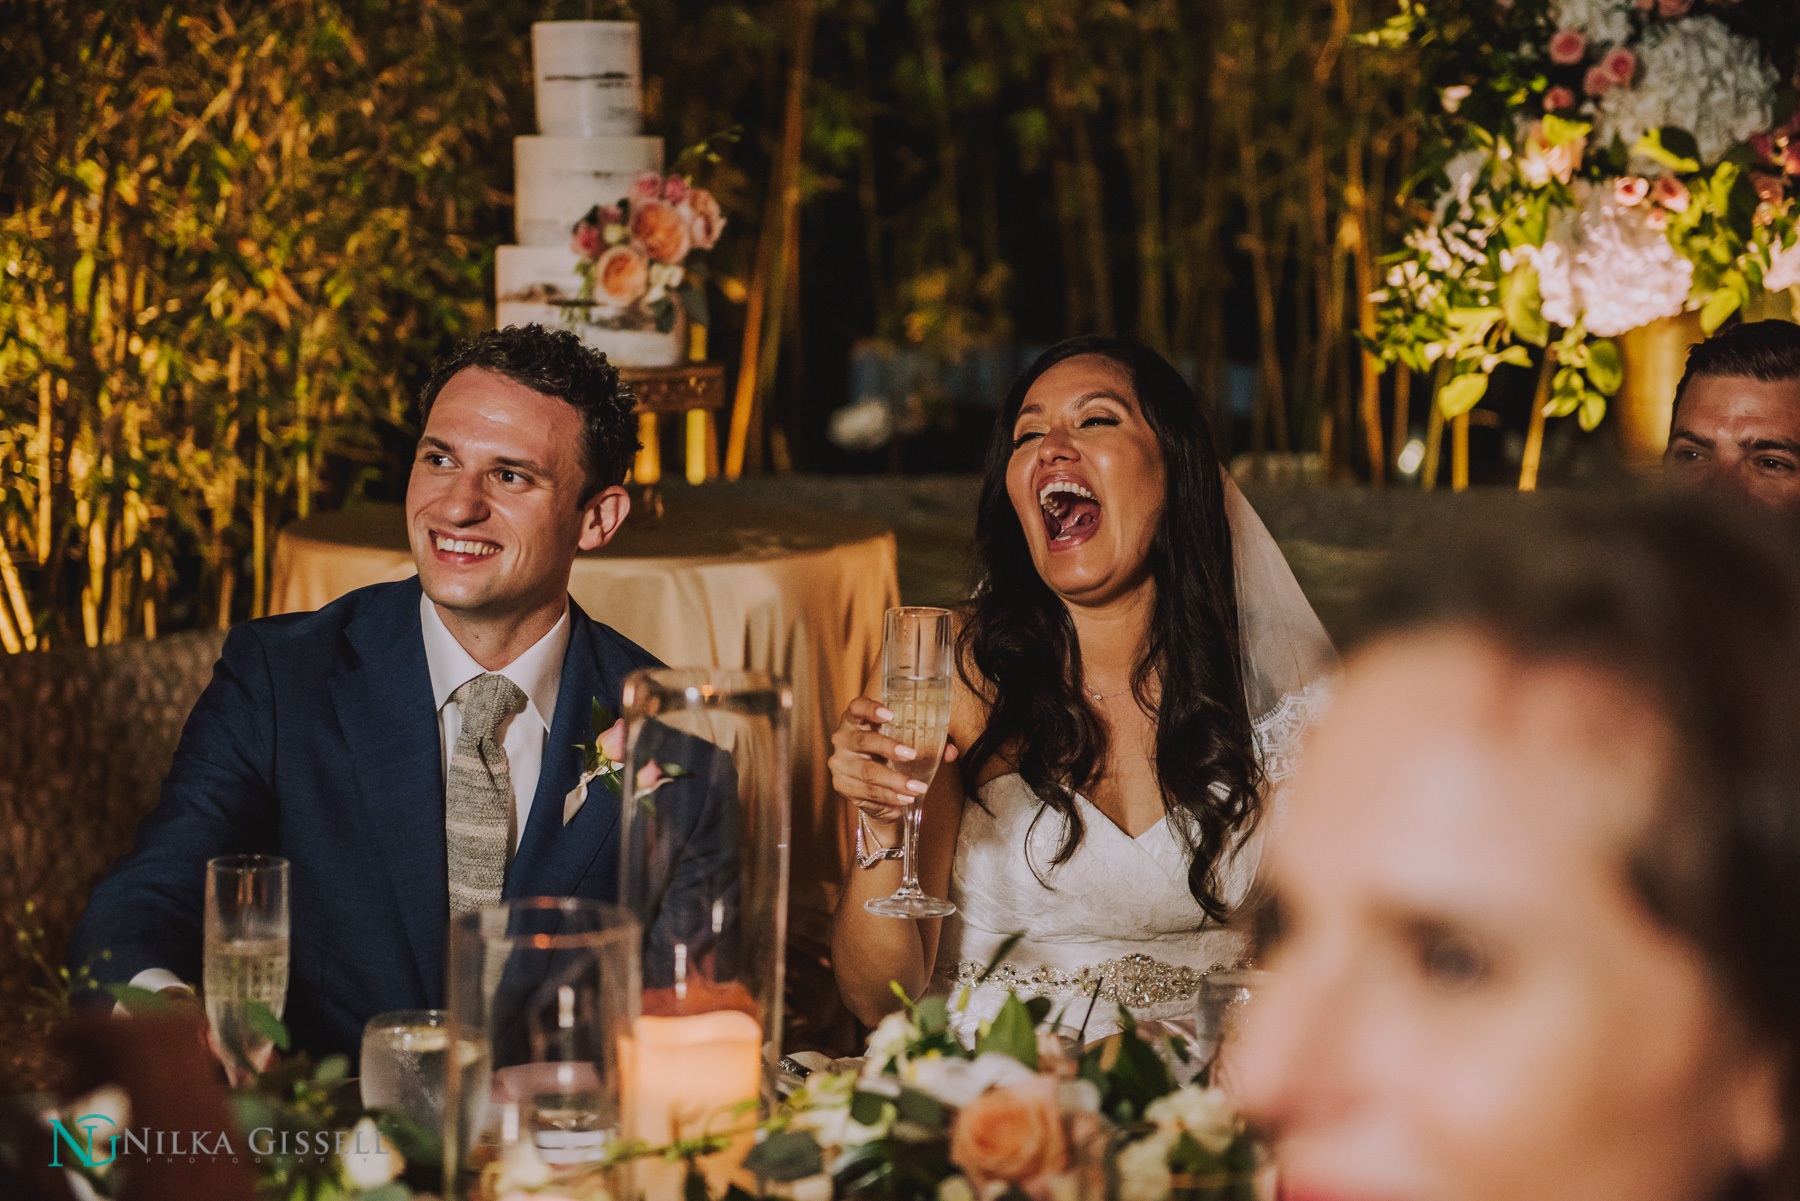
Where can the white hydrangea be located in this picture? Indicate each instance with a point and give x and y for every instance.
(1603, 21)
(1784, 268)
(1604, 262)
(1697, 75)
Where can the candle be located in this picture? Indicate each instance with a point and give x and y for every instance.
(685, 1075)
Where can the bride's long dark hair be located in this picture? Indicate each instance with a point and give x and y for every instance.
(1021, 643)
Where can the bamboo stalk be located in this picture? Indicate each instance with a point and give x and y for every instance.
(762, 323)
(1534, 434)
(15, 593)
(1459, 452)
(259, 517)
(41, 453)
(1434, 429)
(9, 637)
(1361, 252)
(1402, 408)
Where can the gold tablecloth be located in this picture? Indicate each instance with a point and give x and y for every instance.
(797, 592)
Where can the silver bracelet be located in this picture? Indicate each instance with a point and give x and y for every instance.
(865, 858)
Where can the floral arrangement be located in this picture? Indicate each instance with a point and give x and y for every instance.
(1605, 163)
(645, 254)
(1020, 1117)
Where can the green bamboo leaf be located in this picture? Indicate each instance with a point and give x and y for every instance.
(1524, 306)
(1462, 394)
(1605, 368)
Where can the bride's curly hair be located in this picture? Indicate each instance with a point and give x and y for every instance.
(1020, 643)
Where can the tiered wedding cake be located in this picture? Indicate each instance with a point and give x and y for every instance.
(589, 151)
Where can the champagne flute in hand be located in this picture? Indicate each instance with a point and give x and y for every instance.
(246, 956)
(917, 662)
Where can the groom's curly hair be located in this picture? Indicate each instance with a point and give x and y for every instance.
(1020, 645)
(555, 363)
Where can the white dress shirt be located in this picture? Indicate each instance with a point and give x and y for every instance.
(537, 672)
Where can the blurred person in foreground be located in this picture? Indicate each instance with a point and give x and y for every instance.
(1535, 924)
(1736, 427)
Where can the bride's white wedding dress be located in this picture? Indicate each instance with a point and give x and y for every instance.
(1118, 913)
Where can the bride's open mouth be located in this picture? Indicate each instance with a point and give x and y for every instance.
(1071, 513)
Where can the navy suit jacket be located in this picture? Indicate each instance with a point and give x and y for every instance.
(317, 739)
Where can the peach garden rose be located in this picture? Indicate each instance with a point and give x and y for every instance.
(660, 230)
(1014, 1133)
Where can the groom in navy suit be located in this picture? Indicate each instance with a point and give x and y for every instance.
(408, 747)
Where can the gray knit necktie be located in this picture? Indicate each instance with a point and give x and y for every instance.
(478, 794)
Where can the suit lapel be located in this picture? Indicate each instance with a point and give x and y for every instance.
(552, 857)
(383, 700)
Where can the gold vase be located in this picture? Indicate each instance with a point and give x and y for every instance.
(1655, 356)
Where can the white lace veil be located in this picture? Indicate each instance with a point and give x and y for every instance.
(1288, 657)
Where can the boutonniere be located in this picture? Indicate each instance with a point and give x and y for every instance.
(603, 759)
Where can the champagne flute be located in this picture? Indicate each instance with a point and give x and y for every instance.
(916, 661)
(246, 956)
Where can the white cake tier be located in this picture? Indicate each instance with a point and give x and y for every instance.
(528, 281)
(557, 180)
(588, 78)
(622, 347)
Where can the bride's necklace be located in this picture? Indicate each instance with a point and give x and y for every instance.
(1105, 696)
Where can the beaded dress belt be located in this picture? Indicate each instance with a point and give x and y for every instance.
(1130, 980)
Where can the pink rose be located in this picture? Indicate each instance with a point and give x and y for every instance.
(1656, 218)
(622, 275)
(1674, 8)
(1558, 99)
(1763, 146)
(1597, 81)
(1630, 190)
(1010, 1135)
(586, 240)
(1567, 46)
(1619, 63)
(612, 743)
(649, 776)
(645, 188)
(611, 214)
(1671, 193)
(1770, 189)
(705, 221)
(675, 189)
(660, 231)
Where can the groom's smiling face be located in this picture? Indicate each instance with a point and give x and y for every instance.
(495, 507)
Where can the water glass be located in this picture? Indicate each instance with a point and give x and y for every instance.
(1223, 1003)
(542, 990)
(246, 957)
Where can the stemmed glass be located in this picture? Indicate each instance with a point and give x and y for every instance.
(916, 662)
(246, 942)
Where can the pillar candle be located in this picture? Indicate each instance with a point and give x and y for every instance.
(685, 1075)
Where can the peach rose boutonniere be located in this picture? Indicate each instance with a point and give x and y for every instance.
(603, 759)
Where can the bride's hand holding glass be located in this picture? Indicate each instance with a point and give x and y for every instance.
(860, 762)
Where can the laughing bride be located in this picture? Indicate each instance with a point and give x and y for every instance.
(1136, 664)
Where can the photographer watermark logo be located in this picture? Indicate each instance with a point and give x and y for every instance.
(83, 1148)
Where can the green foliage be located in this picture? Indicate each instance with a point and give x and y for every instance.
(237, 234)
(1013, 1033)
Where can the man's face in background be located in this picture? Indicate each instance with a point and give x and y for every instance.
(1737, 435)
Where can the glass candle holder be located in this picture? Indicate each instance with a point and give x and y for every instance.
(705, 871)
(542, 995)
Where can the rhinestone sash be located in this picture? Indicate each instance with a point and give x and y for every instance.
(1134, 981)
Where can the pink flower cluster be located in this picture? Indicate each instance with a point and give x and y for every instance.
(638, 245)
(1666, 195)
(1614, 70)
